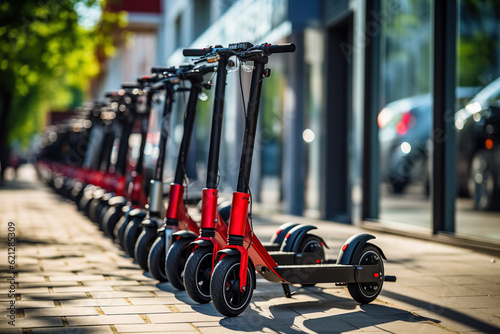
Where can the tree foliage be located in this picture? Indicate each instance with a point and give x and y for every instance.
(46, 61)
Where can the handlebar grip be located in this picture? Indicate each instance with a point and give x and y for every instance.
(207, 69)
(130, 85)
(195, 52)
(281, 48)
(163, 69)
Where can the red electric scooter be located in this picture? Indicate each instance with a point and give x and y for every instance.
(151, 240)
(197, 269)
(359, 264)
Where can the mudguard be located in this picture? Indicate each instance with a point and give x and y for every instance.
(294, 238)
(235, 252)
(107, 196)
(184, 234)
(282, 231)
(353, 246)
(137, 213)
(98, 193)
(202, 243)
(117, 201)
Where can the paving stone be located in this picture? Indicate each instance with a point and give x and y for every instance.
(59, 312)
(35, 290)
(39, 322)
(104, 320)
(156, 301)
(47, 284)
(163, 328)
(114, 283)
(93, 302)
(142, 309)
(74, 330)
(181, 317)
(122, 294)
(82, 289)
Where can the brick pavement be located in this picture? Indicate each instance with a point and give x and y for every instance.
(71, 279)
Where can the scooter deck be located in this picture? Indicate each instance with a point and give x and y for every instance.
(271, 246)
(327, 273)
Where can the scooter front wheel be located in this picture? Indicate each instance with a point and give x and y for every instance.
(156, 260)
(120, 230)
(365, 293)
(132, 233)
(197, 273)
(227, 297)
(143, 246)
(176, 260)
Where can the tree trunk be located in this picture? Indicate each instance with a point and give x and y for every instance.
(6, 105)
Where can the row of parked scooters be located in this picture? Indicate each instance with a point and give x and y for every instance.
(110, 160)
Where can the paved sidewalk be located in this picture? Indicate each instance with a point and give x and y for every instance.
(71, 279)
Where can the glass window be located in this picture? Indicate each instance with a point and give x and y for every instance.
(405, 120)
(477, 123)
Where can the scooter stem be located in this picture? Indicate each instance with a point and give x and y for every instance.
(215, 135)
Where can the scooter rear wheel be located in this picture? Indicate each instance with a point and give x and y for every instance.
(197, 273)
(365, 293)
(156, 260)
(312, 244)
(227, 297)
(176, 260)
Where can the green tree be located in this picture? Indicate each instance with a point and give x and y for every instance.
(46, 59)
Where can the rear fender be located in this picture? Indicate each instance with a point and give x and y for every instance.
(353, 247)
(280, 234)
(294, 238)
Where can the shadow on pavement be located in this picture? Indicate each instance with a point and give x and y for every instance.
(463, 318)
(282, 318)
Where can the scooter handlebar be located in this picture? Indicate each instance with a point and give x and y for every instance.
(196, 52)
(280, 48)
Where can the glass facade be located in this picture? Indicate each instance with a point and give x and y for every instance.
(477, 122)
(405, 119)
(326, 131)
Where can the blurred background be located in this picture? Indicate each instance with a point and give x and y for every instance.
(347, 127)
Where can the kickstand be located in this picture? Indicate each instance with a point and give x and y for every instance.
(286, 290)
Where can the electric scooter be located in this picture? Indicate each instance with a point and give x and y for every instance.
(198, 267)
(359, 264)
(136, 211)
(130, 227)
(135, 197)
(154, 229)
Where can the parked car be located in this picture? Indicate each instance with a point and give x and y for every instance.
(404, 136)
(478, 153)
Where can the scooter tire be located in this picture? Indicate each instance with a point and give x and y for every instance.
(132, 232)
(225, 287)
(143, 246)
(197, 273)
(120, 230)
(109, 222)
(156, 260)
(365, 293)
(176, 260)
